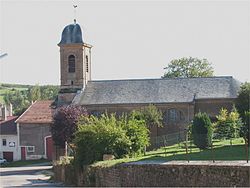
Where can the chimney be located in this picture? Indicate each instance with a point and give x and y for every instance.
(4, 113)
(10, 110)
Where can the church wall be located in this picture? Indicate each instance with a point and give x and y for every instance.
(212, 106)
(187, 109)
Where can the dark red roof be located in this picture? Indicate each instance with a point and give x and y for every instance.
(38, 112)
(8, 126)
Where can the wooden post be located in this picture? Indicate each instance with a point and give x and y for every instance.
(246, 144)
(187, 147)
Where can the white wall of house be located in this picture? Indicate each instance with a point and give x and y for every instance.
(11, 146)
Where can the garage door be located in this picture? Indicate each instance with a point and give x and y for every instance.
(8, 156)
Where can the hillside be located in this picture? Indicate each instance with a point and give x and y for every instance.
(4, 88)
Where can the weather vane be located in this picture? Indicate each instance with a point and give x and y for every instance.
(75, 6)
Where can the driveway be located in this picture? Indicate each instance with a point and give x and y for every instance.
(29, 176)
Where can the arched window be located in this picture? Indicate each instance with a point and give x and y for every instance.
(71, 63)
(173, 115)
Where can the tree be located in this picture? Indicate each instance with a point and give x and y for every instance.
(202, 130)
(228, 124)
(150, 114)
(64, 123)
(18, 100)
(188, 67)
(49, 92)
(34, 93)
(242, 105)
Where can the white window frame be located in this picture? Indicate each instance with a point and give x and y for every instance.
(29, 150)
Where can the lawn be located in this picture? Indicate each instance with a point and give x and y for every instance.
(222, 150)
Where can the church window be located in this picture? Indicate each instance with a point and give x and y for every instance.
(71, 64)
(174, 115)
(87, 63)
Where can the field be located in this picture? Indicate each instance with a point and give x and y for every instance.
(4, 88)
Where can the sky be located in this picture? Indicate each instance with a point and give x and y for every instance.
(131, 39)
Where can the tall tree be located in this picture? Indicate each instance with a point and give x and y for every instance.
(34, 93)
(150, 114)
(202, 130)
(243, 106)
(188, 67)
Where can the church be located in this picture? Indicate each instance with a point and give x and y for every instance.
(179, 99)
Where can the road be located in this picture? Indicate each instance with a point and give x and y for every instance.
(29, 176)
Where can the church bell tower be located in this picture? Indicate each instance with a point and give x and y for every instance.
(75, 62)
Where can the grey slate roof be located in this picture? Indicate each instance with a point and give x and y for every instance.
(72, 34)
(157, 90)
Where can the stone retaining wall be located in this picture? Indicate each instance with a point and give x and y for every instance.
(157, 175)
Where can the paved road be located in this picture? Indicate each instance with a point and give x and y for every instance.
(30, 176)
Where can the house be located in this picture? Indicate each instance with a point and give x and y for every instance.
(34, 134)
(178, 98)
(9, 149)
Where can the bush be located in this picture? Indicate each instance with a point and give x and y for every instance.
(137, 133)
(202, 130)
(64, 123)
(97, 136)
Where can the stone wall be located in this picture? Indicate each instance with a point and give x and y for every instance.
(168, 174)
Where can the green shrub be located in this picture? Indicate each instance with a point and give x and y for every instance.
(228, 124)
(137, 133)
(97, 136)
(202, 130)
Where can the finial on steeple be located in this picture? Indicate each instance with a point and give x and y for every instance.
(75, 6)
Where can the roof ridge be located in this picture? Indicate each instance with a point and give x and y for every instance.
(143, 79)
(25, 112)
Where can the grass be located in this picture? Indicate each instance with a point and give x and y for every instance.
(222, 150)
(24, 163)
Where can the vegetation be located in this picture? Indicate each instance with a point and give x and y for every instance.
(228, 124)
(109, 135)
(243, 106)
(65, 123)
(21, 96)
(222, 150)
(201, 130)
(188, 67)
(150, 114)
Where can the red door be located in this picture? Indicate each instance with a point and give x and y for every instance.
(49, 147)
(8, 156)
(23, 153)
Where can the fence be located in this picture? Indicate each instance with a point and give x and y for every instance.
(180, 146)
